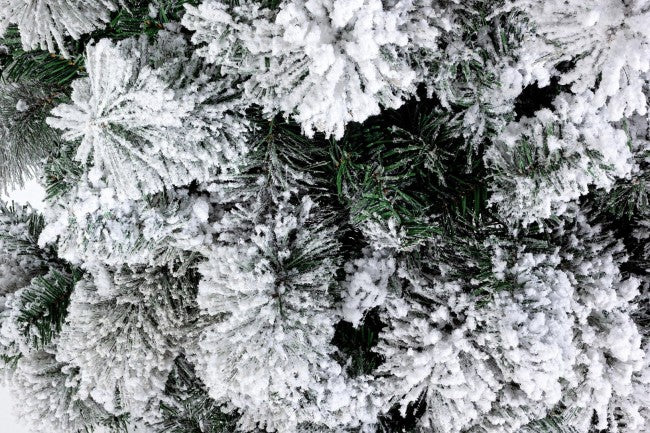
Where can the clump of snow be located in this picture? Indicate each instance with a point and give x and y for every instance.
(367, 285)
(21, 105)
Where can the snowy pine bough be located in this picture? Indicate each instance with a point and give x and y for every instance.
(359, 216)
(45, 24)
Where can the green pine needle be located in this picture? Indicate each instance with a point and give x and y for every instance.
(44, 306)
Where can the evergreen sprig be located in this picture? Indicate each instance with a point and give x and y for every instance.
(17, 64)
(132, 18)
(552, 423)
(280, 159)
(630, 198)
(407, 166)
(62, 171)
(44, 306)
(138, 17)
(188, 408)
(24, 243)
(27, 139)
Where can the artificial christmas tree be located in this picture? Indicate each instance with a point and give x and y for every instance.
(326, 215)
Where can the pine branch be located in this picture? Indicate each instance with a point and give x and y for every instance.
(138, 17)
(62, 172)
(16, 64)
(27, 139)
(43, 306)
(281, 159)
(133, 18)
(24, 242)
(406, 166)
(550, 424)
(188, 408)
(630, 198)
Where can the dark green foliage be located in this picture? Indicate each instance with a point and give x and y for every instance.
(356, 345)
(62, 172)
(9, 361)
(131, 19)
(188, 408)
(469, 252)
(630, 198)
(269, 4)
(551, 424)
(284, 155)
(25, 242)
(16, 64)
(116, 424)
(42, 303)
(26, 138)
(394, 422)
(43, 306)
(408, 165)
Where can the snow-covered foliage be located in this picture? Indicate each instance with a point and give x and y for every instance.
(464, 72)
(44, 24)
(56, 402)
(607, 43)
(268, 354)
(133, 324)
(267, 288)
(35, 313)
(561, 338)
(127, 110)
(349, 216)
(540, 165)
(90, 224)
(26, 138)
(186, 407)
(26, 271)
(323, 62)
(20, 260)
